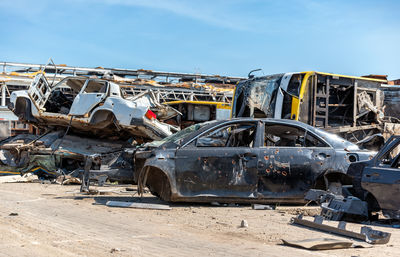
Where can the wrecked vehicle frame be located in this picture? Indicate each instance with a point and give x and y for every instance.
(244, 160)
(362, 110)
(377, 181)
(93, 106)
(55, 154)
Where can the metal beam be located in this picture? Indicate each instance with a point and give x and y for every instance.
(76, 70)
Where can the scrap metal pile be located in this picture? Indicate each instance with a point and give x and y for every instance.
(93, 122)
(55, 154)
(363, 110)
(112, 124)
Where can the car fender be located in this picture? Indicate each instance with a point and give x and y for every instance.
(166, 165)
(343, 159)
(96, 111)
(122, 109)
(340, 165)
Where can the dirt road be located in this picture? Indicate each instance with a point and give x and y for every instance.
(54, 220)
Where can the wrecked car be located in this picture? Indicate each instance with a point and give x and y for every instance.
(244, 160)
(55, 154)
(92, 105)
(360, 109)
(377, 181)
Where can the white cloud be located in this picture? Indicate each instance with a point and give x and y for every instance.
(215, 13)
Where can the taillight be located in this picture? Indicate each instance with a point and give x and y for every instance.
(150, 115)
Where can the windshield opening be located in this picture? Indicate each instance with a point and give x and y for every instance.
(180, 134)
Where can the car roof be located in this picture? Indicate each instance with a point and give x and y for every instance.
(332, 139)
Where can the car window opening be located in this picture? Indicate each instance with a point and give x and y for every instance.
(63, 95)
(237, 135)
(391, 157)
(96, 87)
(288, 136)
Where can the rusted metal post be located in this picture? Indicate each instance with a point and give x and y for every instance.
(86, 174)
(3, 95)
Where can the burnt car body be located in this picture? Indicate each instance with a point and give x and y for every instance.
(244, 160)
(377, 181)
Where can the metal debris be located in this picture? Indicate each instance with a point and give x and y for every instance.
(366, 234)
(262, 207)
(337, 207)
(319, 243)
(138, 205)
(54, 154)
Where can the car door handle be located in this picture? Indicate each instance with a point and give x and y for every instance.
(373, 175)
(323, 155)
(249, 155)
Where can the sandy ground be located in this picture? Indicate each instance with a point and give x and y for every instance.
(54, 220)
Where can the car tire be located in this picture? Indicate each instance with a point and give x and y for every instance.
(165, 192)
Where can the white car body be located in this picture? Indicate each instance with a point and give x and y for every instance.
(98, 107)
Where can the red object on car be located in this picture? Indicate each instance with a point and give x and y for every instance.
(150, 115)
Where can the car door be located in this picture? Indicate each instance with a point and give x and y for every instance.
(220, 162)
(291, 160)
(39, 91)
(382, 179)
(91, 94)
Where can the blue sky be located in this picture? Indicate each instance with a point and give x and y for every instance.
(214, 37)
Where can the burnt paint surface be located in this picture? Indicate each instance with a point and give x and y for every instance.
(222, 171)
(290, 171)
(243, 174)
